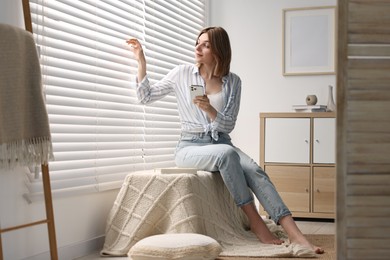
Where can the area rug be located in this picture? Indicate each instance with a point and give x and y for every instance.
(327, 242)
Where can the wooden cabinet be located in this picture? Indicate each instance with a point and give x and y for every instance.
(297, 151)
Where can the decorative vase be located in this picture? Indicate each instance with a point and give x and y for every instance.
(331, 106)
(311, 100)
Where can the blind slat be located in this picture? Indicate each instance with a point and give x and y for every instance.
(99, 130)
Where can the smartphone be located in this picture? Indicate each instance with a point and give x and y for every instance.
(196, 90)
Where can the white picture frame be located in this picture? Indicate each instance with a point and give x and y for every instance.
(309, 39)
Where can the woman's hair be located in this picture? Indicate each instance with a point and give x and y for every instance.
(220, 47)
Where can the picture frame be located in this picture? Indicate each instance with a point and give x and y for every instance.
(309, 40)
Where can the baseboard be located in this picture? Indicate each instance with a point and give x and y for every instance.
(74, 251)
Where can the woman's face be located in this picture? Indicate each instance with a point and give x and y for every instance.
(203, 52)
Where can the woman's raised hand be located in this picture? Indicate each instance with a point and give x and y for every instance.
(139, 56)
(137, 49)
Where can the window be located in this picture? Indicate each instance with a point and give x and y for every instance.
(99, 131)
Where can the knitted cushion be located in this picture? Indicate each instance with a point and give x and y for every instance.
(183, 246)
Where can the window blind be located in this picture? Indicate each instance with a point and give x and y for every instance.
(99, 131)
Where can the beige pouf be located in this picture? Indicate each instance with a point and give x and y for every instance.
(182, 246)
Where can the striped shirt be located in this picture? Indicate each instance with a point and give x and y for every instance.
(193, 119)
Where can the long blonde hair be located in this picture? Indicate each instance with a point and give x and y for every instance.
(220, 47)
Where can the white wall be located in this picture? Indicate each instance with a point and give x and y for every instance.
(11, 12)
(255, 30)
(80, 221)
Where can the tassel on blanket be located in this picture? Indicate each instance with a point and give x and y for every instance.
(33, 151)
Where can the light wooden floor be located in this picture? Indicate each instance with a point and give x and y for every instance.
(307, 227)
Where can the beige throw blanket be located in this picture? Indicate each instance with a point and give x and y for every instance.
(152, 203)
(24, 127)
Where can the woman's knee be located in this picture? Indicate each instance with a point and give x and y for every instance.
(227, 152)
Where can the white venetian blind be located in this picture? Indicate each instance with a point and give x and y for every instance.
(100, 133)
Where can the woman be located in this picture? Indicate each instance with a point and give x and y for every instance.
(206, 123)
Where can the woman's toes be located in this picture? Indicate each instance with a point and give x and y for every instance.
(319, 250)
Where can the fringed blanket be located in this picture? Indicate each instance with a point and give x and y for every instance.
(152, 203)
(24, 126)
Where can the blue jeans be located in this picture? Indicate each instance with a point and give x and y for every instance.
(240, 173)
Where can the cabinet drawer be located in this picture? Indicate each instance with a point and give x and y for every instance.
(293, 185)
(324, 189)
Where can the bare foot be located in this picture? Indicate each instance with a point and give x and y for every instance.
(296, 236)
(303, 242)
(265, 236)
(258, 226)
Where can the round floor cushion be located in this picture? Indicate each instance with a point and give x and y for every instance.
(182, 246)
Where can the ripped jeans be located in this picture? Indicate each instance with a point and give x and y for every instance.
(240, 173)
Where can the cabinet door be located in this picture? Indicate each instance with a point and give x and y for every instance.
(324, 189)
(287, 140)
(324, 143)
(293, 185)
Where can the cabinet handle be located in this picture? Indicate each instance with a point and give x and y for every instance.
(317, 141)
(307, 190)
(306, 141)
(318, 190)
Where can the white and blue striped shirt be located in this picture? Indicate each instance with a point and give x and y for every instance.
(193, 119)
